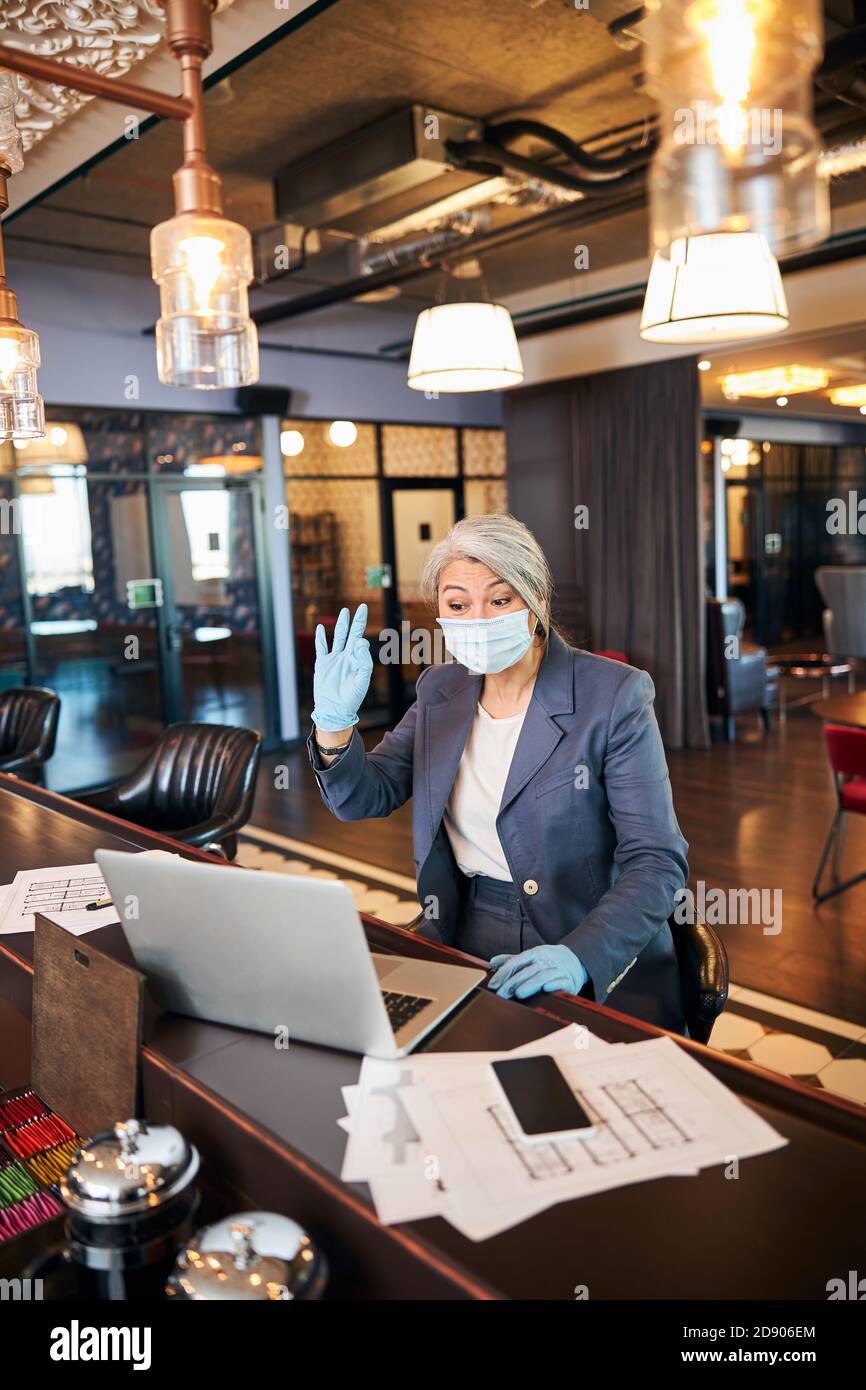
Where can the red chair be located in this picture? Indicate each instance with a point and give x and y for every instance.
(846, 749)
(611, 655)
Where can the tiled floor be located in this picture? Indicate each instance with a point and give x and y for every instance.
(809, 1046)
(784, 1037)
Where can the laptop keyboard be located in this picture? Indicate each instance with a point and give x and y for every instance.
(402, 1008)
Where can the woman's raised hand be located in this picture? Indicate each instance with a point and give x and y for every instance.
(341, 677)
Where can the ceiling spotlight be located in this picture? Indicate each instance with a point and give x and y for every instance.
(291, 443)
(782, 400)
(720, 287)
(343, 433)
(704, 364)
(774, 381)
(202, 262)
(738, 151)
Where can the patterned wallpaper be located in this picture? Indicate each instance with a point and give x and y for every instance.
(485, 496)
(419, 451)
(319, 455)
(175, 441)
(484, 453)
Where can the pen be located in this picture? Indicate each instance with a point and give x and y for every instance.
(100, 902)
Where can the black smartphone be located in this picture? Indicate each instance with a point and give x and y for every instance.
(541, 1100)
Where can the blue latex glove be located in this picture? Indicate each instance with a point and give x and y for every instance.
(341, 677)
(540, 968)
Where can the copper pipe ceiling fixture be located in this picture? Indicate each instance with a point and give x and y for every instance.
(22, 413)
(202, 262)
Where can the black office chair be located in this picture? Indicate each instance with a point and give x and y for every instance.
(704, 975)
(28, 727)
(197, 785)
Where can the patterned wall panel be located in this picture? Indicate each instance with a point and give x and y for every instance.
(176, 441)
(319, 455)
(484, 496)
(114, 439)
(419, 451)
(484, 453)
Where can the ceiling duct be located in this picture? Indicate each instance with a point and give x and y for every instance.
(378, 174)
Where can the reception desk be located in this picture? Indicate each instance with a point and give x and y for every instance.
(264, 1121)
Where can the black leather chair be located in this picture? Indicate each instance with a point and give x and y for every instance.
(28, 727)
(196, 785)
(742, 684)
(704, 975)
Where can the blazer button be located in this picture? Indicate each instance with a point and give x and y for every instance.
(530, 887)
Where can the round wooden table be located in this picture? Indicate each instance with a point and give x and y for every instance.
(842, 709)
(809, 666)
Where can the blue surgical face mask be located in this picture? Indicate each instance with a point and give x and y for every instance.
(488, 645)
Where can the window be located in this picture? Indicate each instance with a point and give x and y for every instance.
(206, 518)
(56, 531)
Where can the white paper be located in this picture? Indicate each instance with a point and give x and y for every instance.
(384, 1148)
(657, 1112)
(61, 894)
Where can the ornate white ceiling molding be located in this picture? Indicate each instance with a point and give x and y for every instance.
(106, 36)
(130, 41)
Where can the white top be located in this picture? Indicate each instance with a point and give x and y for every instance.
(472, 807)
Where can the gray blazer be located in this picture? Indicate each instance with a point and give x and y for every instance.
(586, 822)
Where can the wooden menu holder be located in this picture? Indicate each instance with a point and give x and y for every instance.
(87, 1012)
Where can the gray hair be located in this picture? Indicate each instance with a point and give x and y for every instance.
(506, 547)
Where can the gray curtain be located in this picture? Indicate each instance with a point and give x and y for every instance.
(625, 445)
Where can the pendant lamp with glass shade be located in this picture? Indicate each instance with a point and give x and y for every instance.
(202, 262)
(22, 413)
(738, 149)
(714, 288)
(465, 344)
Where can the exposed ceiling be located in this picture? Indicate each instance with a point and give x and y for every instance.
(842, 355)
(63, 129)
(350, 64)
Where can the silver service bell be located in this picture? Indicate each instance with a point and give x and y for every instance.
(253, 1255)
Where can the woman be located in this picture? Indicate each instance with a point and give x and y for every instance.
(544, 832)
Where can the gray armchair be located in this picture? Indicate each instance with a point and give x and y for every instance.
(744, 684)
(843, 589)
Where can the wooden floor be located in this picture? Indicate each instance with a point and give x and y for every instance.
(755, 814)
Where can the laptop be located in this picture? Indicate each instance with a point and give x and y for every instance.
(270, 952)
